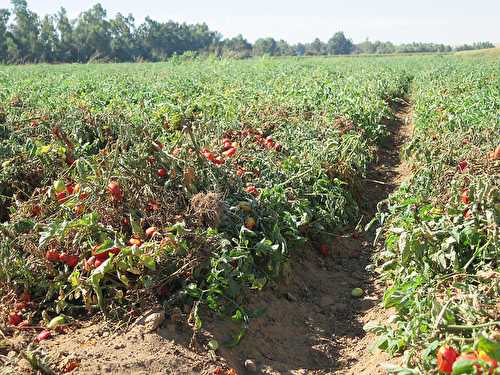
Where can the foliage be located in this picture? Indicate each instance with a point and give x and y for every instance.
(440, 260)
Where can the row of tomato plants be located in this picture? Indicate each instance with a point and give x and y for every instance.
(441, 250)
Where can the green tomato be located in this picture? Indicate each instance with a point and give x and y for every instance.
(59, 186)
(357, 292)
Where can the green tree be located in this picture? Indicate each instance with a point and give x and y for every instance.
(92, 35)
(339, 44)
(24, 33)
(264, 46)
(316, 48)
(123, 43)
(65, 48)
(4, 19)
(237, 47)
(48, 40)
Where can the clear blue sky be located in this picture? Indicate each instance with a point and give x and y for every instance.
(445, 21)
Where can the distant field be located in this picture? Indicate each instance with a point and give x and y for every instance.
(489, 52)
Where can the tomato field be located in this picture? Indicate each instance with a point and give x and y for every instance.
(194, 184)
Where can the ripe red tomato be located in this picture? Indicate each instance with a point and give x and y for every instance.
(325, 251)
(226, 140)
(162, 172)
(72, 260)
(61, 197)
(115, 250)
(151, 231)
(36, 210)
(278, 147)
(52, 256)
(44, 335)
(115, 190)
(252, 190)
(98, 262)
(218, 161)
(102, 256)
(70, 189)
(26, 297)
(465, 196)
(230, 153)
(70, 366)
(227, 145)
(15, 318)
(446, 356)
(462, 165)
(63, 257)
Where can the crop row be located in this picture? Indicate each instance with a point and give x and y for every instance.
(441, 255)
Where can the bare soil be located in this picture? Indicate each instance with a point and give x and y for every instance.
(311, 324)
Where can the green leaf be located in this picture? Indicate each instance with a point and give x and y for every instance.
(490, 347)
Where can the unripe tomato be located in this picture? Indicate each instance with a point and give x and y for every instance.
(492, 363)
(250, 223)
(59, 186)
(445, 357)
(245, 207)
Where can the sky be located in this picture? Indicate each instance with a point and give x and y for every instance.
(400, 21)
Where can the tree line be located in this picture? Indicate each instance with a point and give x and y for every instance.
(26, 37)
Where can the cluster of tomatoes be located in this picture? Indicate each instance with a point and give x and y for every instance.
(56, 256)
(99, 256)
(229, 151)
(65, 191)
(447, 356)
